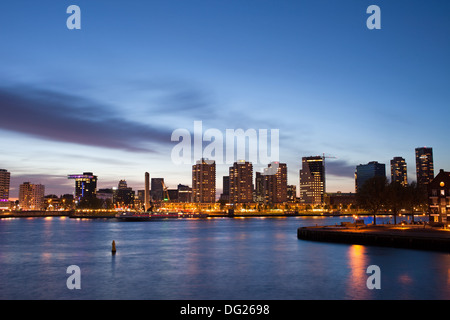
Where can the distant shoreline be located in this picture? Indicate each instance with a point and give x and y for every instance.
(111, 215)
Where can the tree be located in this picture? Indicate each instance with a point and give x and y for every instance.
(396, 197)
(416, 197)
(371, 196)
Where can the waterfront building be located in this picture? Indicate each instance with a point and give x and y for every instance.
(225, 195)
(157, 189)
(106, 194)
(184, 193)
(31, 196)
(399, 171)
(274, 183)
(366, 171)
(85, 185)
(424, 165)
(123, 195)
(439, 198)
(204, 181)
(5, 178)
(241, 182)
(312, 180)
(340, 200)
(291, 193)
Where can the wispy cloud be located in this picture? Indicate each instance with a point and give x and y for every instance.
(340, 168)
(61, 117)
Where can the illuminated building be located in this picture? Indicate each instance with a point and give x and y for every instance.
(85, 185)
(5, 177)
(312, 180)
(291, 193)
(399, 171)
(184, 193)
(366, 171)
(274, 183)
(204, 181)
(439, 198)
(124, 196)
(31, 196)
(424, 165)
(241, 182)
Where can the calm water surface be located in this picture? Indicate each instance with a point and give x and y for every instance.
(220, 258)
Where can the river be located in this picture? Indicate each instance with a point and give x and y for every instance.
(205, 259)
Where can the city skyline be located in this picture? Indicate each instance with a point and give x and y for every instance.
(306, 186)
(106, 98)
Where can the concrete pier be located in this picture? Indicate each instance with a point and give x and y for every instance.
(412, 237)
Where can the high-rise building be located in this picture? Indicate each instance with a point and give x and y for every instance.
(399, 171)
(424, 165)
(85, 185)
(312, 180)
(157, 189)
(366, 171)
(204, 181)
(225, 195)
(241, 182)
(124, 195)
(258, 195)
(5, 177)
(292, 193)
(274, 183)
(31, 196)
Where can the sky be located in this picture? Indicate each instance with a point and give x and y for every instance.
(106, 98)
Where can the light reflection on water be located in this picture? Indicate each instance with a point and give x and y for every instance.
(221, 258)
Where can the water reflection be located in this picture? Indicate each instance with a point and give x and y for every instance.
(358, 263)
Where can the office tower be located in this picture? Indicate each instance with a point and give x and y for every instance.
(5, 178)
(292, 193)
(31, 196)
(124, 196)
(366, 171)
(399, 171)
(122, 184)
(312, 180)
(184, 193)
(424, 165)
(225, 195)
(157, 189)
(106, 194)
(274, 183)
(258, 196)
(241, 182)
(204, 181)
(85, 185)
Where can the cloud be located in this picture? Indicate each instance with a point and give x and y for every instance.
(340, 168)
(61, 117)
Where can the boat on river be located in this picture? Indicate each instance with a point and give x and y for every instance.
(146, 216)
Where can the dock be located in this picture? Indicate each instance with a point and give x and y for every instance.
(421, 237)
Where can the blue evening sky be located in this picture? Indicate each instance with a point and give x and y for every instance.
(106, 98)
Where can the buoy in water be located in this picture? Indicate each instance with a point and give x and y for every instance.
(113, 247)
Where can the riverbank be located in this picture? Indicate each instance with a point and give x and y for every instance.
(422, 237)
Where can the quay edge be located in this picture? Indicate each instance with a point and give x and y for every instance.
(421, 239)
